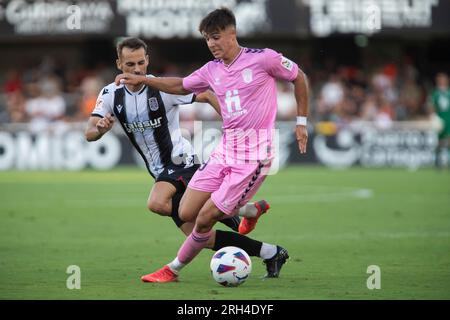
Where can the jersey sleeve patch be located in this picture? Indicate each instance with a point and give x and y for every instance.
(99, 103)
(286, 63)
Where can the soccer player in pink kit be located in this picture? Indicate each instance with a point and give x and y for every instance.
(244, 82)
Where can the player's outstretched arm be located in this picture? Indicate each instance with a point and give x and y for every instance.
(302, 97)
(209, 97)
(97, 127)
(172, 85)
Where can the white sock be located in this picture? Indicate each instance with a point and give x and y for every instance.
(176, 265)
(248, 211)
(268, 251)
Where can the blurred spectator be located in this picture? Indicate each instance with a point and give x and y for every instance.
(383, 85)
(105, 72)
(15, 108)
(331, 94)
(385, 115)
(195, 112)
(13, 99)
(346, 110)
(205, 111)
(187, 115)
(171, 70)
(13, 82)
(287, 105)
(90, 87)
(46, 104)
(411, 98)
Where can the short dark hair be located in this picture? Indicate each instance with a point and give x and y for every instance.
(217, 20)
(132, 43)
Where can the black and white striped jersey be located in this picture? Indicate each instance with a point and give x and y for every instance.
(150, 118)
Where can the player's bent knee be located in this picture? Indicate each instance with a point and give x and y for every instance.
(186, 214)
(207, 217)
(203, 223)
(158, 207)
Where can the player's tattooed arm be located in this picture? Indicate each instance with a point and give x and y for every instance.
(301, 90)
(209, 97)
(97, 126)
(172, 85)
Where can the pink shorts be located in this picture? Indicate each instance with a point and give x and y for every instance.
(231, 186)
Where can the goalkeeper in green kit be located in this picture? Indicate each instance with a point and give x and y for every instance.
(440, 104)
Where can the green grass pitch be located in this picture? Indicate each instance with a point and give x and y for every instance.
(334, 223)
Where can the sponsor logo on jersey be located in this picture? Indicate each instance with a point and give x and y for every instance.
(153, 103)
(119, 108)
(105, 91)
(233, 103)
(287, 64)
(170, 171)
(138, 126)
(247, 75)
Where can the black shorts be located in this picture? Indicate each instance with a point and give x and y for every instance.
(178, 176)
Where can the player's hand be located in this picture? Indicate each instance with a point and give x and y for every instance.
(301, 134)
(105, 124)
(129, 78)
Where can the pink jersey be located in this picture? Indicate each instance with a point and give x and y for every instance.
(246, 90)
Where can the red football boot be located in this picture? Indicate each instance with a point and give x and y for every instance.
(248, 224)
(162, 275)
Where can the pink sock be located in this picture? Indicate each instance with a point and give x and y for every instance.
(192, 246)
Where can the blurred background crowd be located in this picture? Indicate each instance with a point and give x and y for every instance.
(374, 68)
(381, 91)
(51, 72)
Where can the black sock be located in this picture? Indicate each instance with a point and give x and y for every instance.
(232, 222)
(175, 205)
(228, 238)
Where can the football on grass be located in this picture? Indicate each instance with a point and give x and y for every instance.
(231, 266)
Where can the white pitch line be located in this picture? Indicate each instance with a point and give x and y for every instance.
(322, 196)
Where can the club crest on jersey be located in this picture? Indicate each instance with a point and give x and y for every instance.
(153, 103)
(247, 75)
